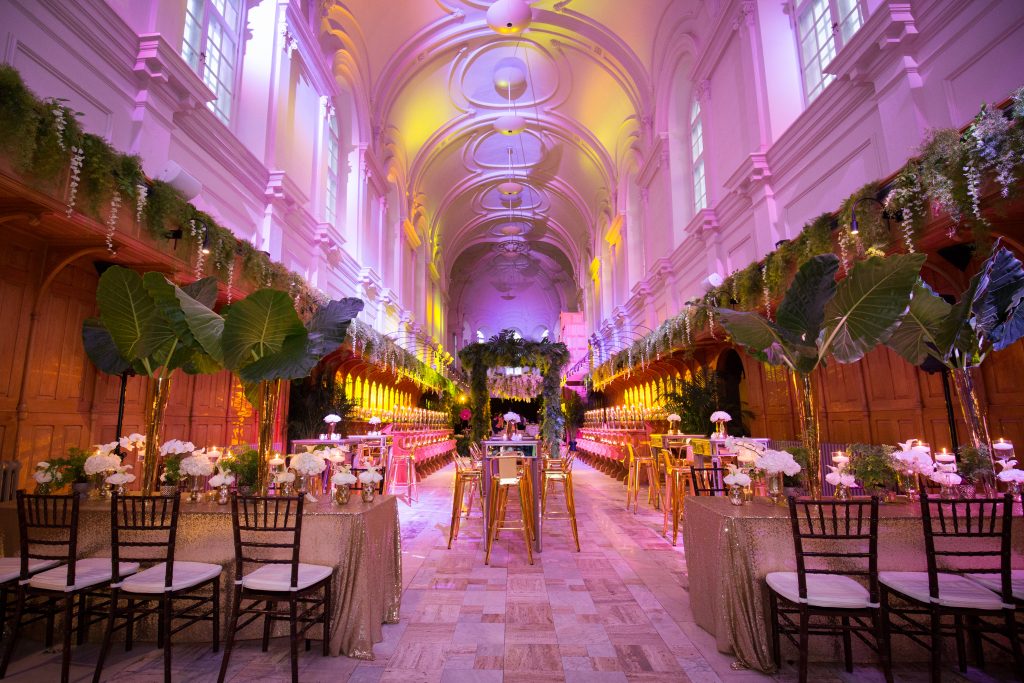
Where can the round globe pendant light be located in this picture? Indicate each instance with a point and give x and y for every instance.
(509, 16)
(510, 188)
(510, 124)
(510, 76)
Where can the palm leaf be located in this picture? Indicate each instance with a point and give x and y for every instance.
(761, 337)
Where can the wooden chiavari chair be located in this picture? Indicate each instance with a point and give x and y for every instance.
(144, 529)
(268, 533)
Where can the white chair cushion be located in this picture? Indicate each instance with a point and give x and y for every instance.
(278, 577)
(10, 567)
(89, 572)
(954, 590)
(823, 590)
(994, 582)
(186, 575)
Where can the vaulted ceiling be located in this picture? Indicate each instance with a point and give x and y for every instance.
(437, 79)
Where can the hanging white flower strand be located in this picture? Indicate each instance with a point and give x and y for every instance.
(60, 123)
(231, 278)
(200, 256)
(711, 317)
(115, 207)
(77, 158)
(686, 326)
(973, 176)
(766, 292)
(844, 253)
(140, 203)
(907, 224)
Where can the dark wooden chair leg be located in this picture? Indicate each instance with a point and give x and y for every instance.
(166, 604)
(773, 604)
(293, 628)
(961, 643)
(129, 629)
(216, 614)
(236, 605)
(936, 628)
(882, 641)
(805, 625)
(1013, 633)
(267, 621)
(847, 645)
(51, 613)
(976, 644)
(327, 616)
(83, 617)
(19, 610)
(65, 657)
(108, 633)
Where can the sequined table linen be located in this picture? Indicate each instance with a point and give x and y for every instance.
(730, 549)
(361, 540)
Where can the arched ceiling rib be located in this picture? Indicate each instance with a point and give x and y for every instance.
(429, 69)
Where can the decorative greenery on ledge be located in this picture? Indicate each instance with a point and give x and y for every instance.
(386, 353)
(950, 174)
(44, 142)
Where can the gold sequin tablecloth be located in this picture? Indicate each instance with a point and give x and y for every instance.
(730, 549)
(362, 541)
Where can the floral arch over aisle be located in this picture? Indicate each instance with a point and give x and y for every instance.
(508, 349)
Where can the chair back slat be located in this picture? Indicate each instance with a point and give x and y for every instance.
(968, 535)
(508, 466)
(143, 529)
(48, 528)
(708, 481)
(835, 537)
(268, 530)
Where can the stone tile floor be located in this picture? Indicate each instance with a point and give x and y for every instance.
(616, 612)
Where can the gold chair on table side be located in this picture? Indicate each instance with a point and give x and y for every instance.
(561, 473)
(636, 464)
(465, 475)
(509, 476)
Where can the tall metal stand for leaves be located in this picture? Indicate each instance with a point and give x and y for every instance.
(819, 318)
(988, 317)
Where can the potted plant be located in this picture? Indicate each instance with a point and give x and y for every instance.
(975, 467)
(245, 466)
(70, 470)
(794, 485)
(872, 466)
(170, 479)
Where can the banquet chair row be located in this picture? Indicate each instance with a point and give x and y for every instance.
(142, 578)
(968, 591)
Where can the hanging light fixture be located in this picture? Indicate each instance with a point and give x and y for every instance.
(510, 188)
(509, 16)
(510, 124)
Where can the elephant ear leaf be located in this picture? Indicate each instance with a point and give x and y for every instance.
(998, 311)
(204, 291)
(257, 326)
(329, 325)
(802, 310)
(915, 338)
(868, 306)
(170, 323)
(291, 361)
(205, 325)
(100, 348)
(765, 340)
(126, 309)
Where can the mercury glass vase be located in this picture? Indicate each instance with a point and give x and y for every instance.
(223, 496)
(99, 488)
(342, 494)
(193, 494)
(736, 494)
(368, 492)
(775, 487)
(842, 492)
(908, 482)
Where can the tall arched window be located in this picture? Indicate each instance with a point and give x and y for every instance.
(210, 46)
(700, 192)
(823, 28)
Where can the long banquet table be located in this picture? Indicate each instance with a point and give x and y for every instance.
(730, 548)
(362, 540)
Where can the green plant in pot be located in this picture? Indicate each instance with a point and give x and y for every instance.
(819, 318)
(245, 466)
(974, 465)
(142, 324)
(70, 471)
(170, 478)
(989, 317)
(873, 468)
(796, 484)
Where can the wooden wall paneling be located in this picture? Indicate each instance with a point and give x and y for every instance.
(1003, 378)
(17, 268)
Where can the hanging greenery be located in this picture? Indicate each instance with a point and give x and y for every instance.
(386, 353)
(951, 172)
(506, 349)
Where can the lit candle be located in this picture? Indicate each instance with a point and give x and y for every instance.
(945, 456)
(840, 458)
(1003, 445)
(276, 461)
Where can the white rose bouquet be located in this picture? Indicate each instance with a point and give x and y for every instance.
(674, 418)
(42, 475)
(839, 475)
(177, 447)
(776, 462)
(308, 464)
(284, 477)
(121, 476)
(133, 441)
(197, 465)
(512, 417)
(343, 477)
(332, 419)
(721, 416)
(222, 478)
(736, 477)
(103, 460)
(370, 476)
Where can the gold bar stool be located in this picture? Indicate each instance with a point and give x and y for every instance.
(636, 465)
(508, 477)
(560, 473)
(406, 463)
(465, 474)
(677, 485)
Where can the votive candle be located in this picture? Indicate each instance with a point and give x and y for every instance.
(945, 456)
(1003, 445)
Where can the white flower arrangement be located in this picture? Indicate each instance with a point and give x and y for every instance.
(721, 416)
(105, 448)
(736, 477)
(133, 441)
(101, 462)
(285, 477)
(42, 474)
(947, 478)
(1011, 476)
(336, 454)
(374, 420)
(774, 462)
(176, 447)
(308, 464)
(370, 476)
(222, 478)
(839, 475)
(512, 417)
(1006, 464)
(343, 478)
(332, 418)
(913, 459)
(121, 476)
(197, 465)
(674, 418)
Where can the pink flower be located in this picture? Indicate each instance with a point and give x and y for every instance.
(465, 414)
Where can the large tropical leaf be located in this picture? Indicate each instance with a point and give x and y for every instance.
(170, 323)
(761, 337)
(100, 348)
(257, 326)
(204, 291)
(803, 308)
(329, 325)
(869, 304)
(997, 307)
(955, 336)
(292, 361)
(207, 327)
(915, 338)
(126, 309)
